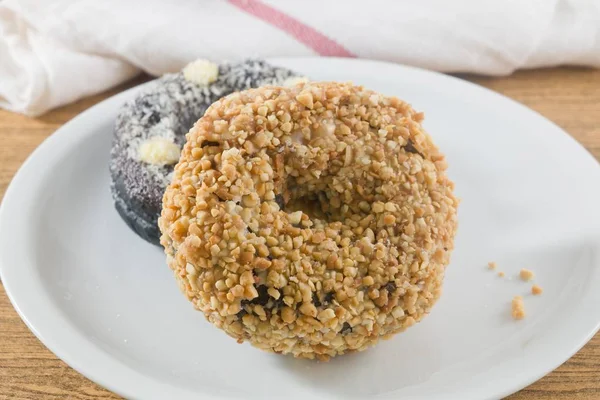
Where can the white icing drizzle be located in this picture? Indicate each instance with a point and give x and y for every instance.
(202, 72)
(158, 151)
(295, 80)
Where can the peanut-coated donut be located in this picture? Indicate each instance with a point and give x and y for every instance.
(312, 220)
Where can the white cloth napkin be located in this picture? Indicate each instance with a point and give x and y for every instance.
(55, 52)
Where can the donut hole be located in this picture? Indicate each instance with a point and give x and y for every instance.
(328, 207)
(315, 206)
(327, 190)
(317, 199)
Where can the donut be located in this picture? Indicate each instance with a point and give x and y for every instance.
(150, 131)
(312, 220)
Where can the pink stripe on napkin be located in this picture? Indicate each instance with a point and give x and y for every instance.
(312, 38)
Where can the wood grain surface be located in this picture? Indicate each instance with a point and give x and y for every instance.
(568, 96)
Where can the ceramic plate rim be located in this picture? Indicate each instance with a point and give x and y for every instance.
(61, 341)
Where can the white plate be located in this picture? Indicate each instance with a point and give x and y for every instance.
(105, 302)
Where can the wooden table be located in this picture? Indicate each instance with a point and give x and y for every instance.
(568, 96)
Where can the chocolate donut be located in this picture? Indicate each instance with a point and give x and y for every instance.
(311, 220)
(150, 131)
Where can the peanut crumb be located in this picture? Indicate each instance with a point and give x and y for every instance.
(535, 289)
(526, 274)
(492, 265)
(518, 308)
(501, 274)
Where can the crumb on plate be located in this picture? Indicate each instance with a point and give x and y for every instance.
(518, 308)
(526, 274)
(535, 289)
(492, 265)
(501, 274)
